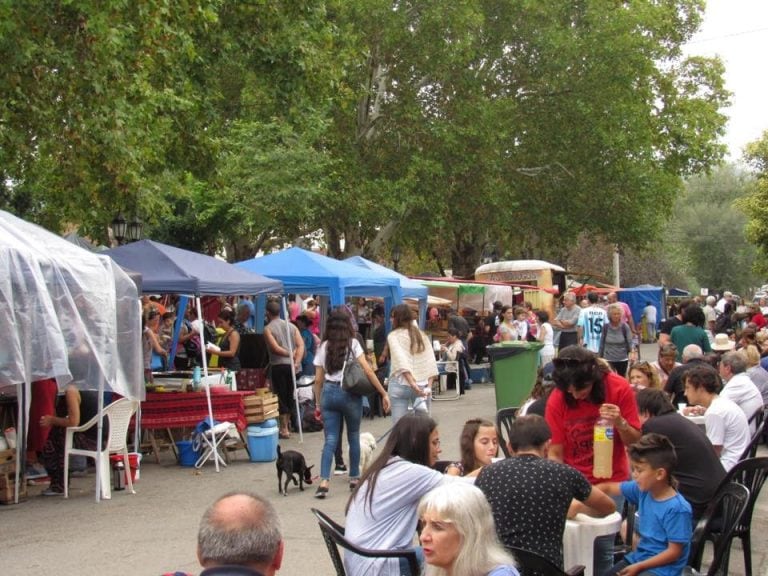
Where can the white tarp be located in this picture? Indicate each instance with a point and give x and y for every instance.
(66, 314)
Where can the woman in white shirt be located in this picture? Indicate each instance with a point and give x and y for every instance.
(545, 335)
(382, 510)
(412, 364)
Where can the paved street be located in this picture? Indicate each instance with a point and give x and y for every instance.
(155, 530)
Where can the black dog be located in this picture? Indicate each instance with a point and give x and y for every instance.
(293, 464)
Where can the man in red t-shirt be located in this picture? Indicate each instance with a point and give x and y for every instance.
(585, 392)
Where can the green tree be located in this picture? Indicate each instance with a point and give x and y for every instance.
(755, 202)
(92, 94)
(528, 123)
(709, 229)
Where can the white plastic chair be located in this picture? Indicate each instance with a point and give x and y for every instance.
(119, 414)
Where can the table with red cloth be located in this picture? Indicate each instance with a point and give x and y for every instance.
(166, 410)
(188, 409)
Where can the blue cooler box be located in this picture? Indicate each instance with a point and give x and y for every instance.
(262, 441)
(187, 454)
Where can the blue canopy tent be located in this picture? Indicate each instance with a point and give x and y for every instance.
(409, 288)
(638, 297)
(170, 270)
(305, 272)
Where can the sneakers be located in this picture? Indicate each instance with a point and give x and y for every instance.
(340, 470)
(321, 492)
(50, 492)
(35, 471)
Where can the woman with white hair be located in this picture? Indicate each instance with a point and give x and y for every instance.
(459, 537)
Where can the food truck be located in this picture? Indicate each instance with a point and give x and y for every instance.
(540, 281)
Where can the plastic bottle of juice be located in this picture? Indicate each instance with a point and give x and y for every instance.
(602, 464)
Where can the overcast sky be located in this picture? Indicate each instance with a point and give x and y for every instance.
(737, 31)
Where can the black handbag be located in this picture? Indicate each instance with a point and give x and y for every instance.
(354, 380)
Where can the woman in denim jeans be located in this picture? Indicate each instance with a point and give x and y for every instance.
(412, 364)
(339, 346)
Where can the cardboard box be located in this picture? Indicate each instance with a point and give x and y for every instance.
(260, 407)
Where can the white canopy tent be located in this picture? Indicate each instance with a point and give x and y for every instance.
(70, 314)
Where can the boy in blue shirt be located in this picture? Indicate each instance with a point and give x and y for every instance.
(665, 517)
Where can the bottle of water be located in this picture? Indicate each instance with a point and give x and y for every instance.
(196, 379)
(229, 381)
(602, 464)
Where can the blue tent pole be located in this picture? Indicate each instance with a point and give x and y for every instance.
(180, 309)
(261, 305)
(423, 313)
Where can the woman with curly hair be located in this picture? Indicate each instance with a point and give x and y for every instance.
(642, 375)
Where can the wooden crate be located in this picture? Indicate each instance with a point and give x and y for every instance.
(260, 407)
(8, 478)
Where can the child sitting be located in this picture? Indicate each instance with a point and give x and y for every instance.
(665, 523)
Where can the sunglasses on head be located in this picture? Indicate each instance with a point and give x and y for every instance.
(566, 362)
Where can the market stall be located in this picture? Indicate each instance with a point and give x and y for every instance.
(170, 270)
(70, 315)
(408, 288)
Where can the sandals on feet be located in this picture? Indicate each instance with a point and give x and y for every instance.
(284, 435)
(353, 484)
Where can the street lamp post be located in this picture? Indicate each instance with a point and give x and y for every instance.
(135, 228)
(395, 256)
(119, 228)
(123, 231)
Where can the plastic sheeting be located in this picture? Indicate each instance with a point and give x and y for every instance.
(66, 314)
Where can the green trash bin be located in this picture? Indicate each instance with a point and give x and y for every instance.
(513, 367)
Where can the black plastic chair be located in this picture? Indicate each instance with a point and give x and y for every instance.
(533, 564)
(333, 534)
(504, 419)
(628, 514)
(718, 525)
(752, 474)
(761, 423)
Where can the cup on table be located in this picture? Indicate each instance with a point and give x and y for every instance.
(369, 345)
(681, 407)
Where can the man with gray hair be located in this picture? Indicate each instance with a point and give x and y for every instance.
(566, 321)
(240, 536)
(738, 386)
(675, 385)
(710, 315)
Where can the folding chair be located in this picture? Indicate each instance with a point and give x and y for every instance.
(210, 440)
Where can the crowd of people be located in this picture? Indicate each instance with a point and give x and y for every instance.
(470, 515)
